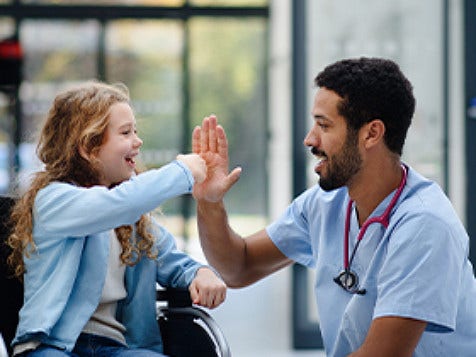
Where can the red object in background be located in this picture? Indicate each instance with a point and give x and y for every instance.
(10, 49)
(11, 58)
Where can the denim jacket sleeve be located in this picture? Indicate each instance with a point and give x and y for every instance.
(63, 209)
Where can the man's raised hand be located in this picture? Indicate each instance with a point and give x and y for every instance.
(210, 142)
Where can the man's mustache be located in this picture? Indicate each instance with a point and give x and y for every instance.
(317, 152)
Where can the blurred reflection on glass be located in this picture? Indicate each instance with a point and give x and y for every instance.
(406, 31)
(228, 78)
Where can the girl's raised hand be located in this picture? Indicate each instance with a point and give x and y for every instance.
(196, 165)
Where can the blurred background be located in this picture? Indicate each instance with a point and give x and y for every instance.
(252, 63)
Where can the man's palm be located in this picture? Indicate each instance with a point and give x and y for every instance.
(209, 141)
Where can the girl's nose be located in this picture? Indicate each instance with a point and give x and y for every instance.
(138, 142)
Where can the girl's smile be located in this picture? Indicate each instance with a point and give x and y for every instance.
(121, 146)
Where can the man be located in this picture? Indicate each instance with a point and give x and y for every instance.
(391, 256)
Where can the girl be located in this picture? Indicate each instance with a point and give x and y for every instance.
(88, 252)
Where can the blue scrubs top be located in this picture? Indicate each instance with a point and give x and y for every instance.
(417, 267)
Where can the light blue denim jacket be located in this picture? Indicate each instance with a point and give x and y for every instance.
(65, 276)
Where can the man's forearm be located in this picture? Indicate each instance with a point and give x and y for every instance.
(223, 248)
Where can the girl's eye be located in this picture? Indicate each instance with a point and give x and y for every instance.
(126, 132)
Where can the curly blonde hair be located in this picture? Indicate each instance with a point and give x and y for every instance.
(78, 118)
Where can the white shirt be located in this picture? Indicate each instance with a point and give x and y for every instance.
(103, 322)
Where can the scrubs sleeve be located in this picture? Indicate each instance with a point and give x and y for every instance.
(419, 278)
(290, 233)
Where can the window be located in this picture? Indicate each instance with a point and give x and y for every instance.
(180, 62)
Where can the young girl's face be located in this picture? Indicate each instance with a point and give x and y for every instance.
(121, 146)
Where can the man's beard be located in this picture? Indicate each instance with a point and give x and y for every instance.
(342, 166)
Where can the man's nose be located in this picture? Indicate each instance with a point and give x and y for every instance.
(311, 139)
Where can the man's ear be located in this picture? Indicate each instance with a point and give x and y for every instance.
(373, 133)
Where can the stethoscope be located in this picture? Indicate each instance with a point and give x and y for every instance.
(347, 278)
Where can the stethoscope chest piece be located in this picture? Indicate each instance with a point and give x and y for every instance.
(347, 279)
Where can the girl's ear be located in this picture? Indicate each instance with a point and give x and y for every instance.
(84, 154)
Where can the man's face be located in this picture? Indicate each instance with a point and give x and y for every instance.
(332, 142)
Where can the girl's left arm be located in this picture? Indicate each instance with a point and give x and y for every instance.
(176, 269)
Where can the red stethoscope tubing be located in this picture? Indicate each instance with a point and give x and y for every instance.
(382, 219)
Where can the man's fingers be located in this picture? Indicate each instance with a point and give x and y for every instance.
(196, 140)
(233, 177)
(222, 141)
(212, 136)
(204, 135)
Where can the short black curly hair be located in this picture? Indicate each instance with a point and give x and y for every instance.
(372, 88)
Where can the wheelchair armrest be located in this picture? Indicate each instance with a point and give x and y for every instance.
(175, 297)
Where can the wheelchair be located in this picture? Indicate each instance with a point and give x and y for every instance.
(186, 330)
